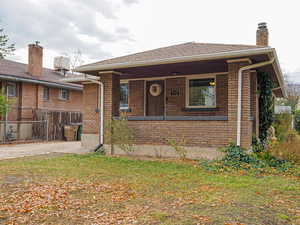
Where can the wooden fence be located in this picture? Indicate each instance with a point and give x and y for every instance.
(55, 122)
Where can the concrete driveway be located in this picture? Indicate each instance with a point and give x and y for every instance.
(21, 150)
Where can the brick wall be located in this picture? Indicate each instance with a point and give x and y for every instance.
(254, 103)
(111, 84)
(91, 103)
(246, 123)
(74, 103)
(195, 133)
(30, 97)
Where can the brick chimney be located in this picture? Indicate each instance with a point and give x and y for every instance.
(35, 60)
(262, 35)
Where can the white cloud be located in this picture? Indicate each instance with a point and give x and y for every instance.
(118, 27)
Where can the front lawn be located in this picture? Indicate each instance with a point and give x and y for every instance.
(94, 189)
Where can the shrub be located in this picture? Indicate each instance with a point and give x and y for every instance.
(120, 134)
(178, 146)
(237, 158)
(282, 124)
(297, 120)
(288, 149)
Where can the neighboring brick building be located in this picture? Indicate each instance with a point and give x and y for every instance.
(185, 91)
(34, 88)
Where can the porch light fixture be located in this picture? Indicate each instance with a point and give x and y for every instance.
(212, 83)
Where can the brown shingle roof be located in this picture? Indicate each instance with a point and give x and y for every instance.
(181, 50)
(16, 69)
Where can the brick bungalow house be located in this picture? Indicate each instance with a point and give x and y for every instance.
(206, 93)
(34, 88)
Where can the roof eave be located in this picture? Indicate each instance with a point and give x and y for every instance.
(42, 82)
(230, 54)
(212, 56)
(80, 79)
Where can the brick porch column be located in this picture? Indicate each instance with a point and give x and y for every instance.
(246, 122)
(111, 83)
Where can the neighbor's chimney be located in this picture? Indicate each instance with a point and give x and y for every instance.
(35, 59)
(262, 35)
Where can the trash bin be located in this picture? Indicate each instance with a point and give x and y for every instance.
(70, 132)
(79, 132)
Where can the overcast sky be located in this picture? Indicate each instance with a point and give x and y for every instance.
(108, 28)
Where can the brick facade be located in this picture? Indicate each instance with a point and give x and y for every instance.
(90, 109)
(215, 133)
(195, 133)
(246, 123)
(30, 97)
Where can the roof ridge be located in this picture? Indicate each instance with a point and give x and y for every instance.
(137, 53)
(191, 43)
(223, 44)
(25, 64)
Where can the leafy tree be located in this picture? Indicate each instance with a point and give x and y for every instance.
(4, 105)
(293, 94)
(5, 48)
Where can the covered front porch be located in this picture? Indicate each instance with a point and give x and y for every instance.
(194, 101)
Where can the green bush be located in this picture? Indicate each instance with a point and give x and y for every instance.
(282, 124)
(237, 158)
(297, 120)
(178, 146)
(120, 134)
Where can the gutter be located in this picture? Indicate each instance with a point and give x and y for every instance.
(80, 79)
(101, 114)
(240, 80)
(46, 83)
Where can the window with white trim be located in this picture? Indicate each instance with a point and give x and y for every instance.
(201, 93)
(11, 89)
(46, 93)
(124, 92)
(64, 94)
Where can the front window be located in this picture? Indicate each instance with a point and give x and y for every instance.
(202, 93)
(64, 94)
(124, 90)
(11, 89)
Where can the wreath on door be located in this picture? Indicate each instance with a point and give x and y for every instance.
(155, 90)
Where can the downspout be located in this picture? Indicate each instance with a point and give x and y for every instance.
(240, 80)
(101, 97)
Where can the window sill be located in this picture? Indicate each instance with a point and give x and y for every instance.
(175, 118)
(187, 109)
(125, 110)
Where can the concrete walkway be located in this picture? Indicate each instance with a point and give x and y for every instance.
(21, 150)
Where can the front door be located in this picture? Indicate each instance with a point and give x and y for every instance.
(155, 92)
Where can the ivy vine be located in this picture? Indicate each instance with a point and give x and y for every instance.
(266, 105)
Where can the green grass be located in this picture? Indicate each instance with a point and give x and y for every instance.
(94, 189)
